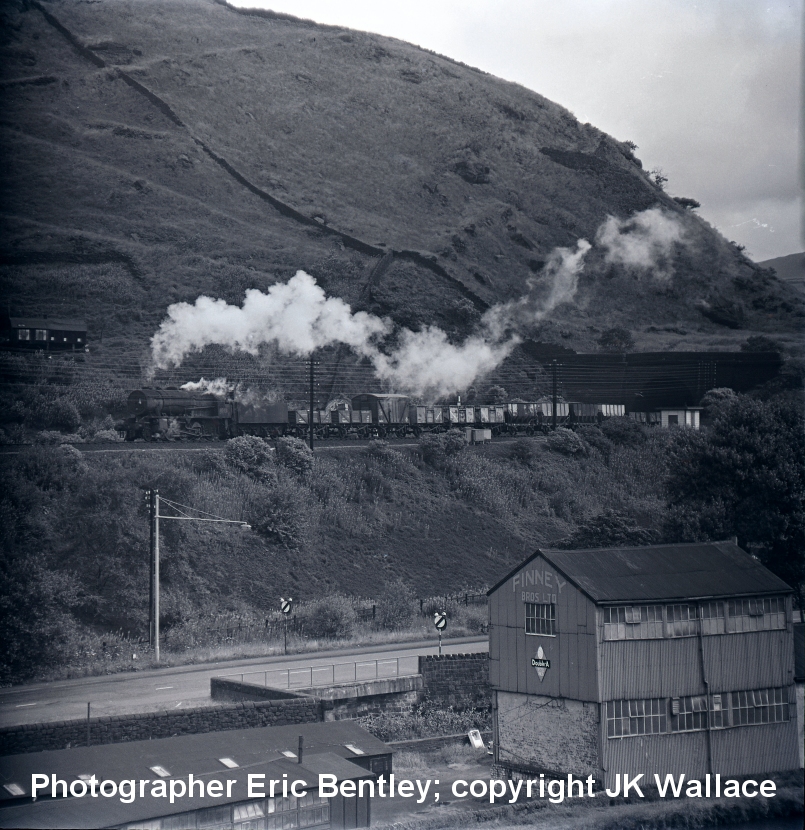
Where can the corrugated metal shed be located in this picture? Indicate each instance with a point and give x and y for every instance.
(662, 572)
(88, 812)
(799, 651)
(199, 754)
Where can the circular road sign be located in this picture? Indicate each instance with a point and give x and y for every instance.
(440, 620)
(285, 605)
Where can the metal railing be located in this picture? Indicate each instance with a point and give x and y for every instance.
(332, 674)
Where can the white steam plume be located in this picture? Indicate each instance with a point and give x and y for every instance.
(296, 315)
(562, 271)
(640, 242)
(299, 318)
(218, 386)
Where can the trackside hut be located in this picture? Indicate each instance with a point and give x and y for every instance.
(661, 659)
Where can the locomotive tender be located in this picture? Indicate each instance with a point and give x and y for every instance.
(177, 414)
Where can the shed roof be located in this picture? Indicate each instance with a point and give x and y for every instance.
(88, 812)
(662, 572)
(199, 754)
(51, 323)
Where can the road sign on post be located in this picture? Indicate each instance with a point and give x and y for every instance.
(440, 621)
(285, 606)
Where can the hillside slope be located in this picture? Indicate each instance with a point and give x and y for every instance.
(157, 150)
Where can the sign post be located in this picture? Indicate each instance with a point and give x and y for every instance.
(285, 607)
(440, 621)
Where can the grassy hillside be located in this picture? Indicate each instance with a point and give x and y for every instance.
(75, 529)
(158, 150)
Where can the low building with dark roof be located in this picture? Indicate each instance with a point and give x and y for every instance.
(45, 333)
(341, 749)
(660, 659)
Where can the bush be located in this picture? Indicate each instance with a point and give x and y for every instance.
(623, 432)
(279, 515)
(616, 339)
(106, 436)
(251, 455)
(331, 618)
(294, 454)
(62, 414)
(566, 442)
(52, 438)
(396, 606)
(436, 448)
(522, 450)
(595, 438)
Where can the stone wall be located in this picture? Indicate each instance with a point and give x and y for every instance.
(545, 734)
(457, 680)
(373, 697)
(234, 690)
(109, 730)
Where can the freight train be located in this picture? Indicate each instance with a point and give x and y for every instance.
(177, 414)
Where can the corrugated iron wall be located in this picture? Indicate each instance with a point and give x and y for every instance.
(572, 652)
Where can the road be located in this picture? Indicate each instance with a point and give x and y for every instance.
(186, 686)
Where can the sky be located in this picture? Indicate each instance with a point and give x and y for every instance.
(710, 91)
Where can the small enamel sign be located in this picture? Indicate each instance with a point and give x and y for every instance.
(540, 663)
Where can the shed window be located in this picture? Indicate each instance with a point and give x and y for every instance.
(756, 614)
(712, 615)
(540, 618)
(41, 334)
(636, 717)
(183, 821)
(680, 620)
(23, 334)
(673, 420)
(760, 706)
(688, 713)
(248, 810)
(215, 817)
(633, 622)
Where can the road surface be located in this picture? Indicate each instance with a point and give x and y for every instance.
(187, 686)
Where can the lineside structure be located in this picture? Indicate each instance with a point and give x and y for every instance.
(661, 659)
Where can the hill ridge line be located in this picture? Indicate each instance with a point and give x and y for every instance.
(349, 241)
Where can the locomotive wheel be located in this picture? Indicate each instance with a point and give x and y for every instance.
(195, 429)
(381, 433)
(146, 433)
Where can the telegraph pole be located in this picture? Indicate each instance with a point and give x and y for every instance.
(150, 498)
(156, 575)
(554, 397)
(312, 383)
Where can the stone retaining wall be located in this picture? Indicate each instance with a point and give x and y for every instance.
(457, 680)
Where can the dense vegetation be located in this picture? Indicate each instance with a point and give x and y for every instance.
(374, 521)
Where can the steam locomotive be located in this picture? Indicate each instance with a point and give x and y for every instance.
(176, 414)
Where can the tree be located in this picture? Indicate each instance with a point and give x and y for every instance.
(496, 395)
(617, 339)
(606, 530)
(744, 477)
(294, 454)
(760, 343)
(688, 204)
